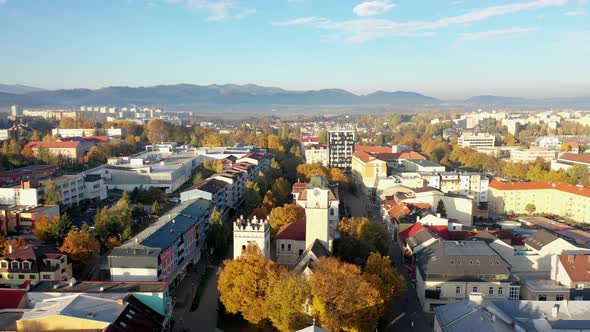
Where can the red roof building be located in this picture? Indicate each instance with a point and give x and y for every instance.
(292, 231)
(12, 298)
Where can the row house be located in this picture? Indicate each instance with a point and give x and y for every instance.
(164, 250)
(33, 264)
(214, 190)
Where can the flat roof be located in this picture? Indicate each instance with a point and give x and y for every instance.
(424, 162)
(107, 286)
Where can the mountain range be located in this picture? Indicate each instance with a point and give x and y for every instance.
(190, 96)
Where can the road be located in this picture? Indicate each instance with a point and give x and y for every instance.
(406, 312)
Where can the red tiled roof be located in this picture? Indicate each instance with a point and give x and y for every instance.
(53, 145)
(372, 149)
(410, 155)
(417, 227)
(574, 157)
(293, 231)
(442, 231)
(11, 298)
(31, 252)
(501, 185)
(310, 139)
(364, 156)
(576, 266)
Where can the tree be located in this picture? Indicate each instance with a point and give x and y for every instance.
(5, 245)
(52, 196)
(80, 245)
(306, 171)
(211, 140)
(358, 238)
(285, 215)
(252, 196)
(217, 234)
(285, 301)
(281, 191)
(530, 208)
(44, 229)
(578, 174)
(198, 178)
(156, 209)
(113, 242)
(62, 228)
(336, 175)
(158, 130)
(441, 209)
(323, 137)
(243, 283)
(343, 298)
(393, 283)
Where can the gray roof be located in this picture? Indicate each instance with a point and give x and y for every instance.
(424, 162)
(467, 260)
(168, 234)
(419, 238)
(106, 286)
(77, 306)
(310, 255)
(540, 239)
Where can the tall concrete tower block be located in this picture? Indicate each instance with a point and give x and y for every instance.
(317, 225)
(251, 231)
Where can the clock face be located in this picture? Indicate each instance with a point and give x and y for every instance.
(316, 192)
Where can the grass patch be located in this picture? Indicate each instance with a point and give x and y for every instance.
(209, 271)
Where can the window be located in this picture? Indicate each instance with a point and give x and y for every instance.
(438, 289)
(14, 265)
(289, 247)
(26, 265)
(500, 290)
(282, 246)
(578, 298)
(475, 289)
(10, 276)
(491, 291)
(558, 297)
(331, 212)
(32, 276)
(21, 276)
(458, 290)
(580, 286)
(46, 277)
(542, 297)
(4, 264)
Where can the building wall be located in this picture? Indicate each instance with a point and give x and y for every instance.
(527, 293)
(59, 323)
(19, 196)
(133, 274)
(288, 251)
(317, 156)
(317, 217)
(244, 235)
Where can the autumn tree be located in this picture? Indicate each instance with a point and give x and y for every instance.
(530, 208)
(393, 283)
(578, 174)
(158, 131)
(80, 245)
(336, 175)
(358, 238)
(6, 246)
(44, 228)
(156, 209)
(343, 298)
(252, 196)
(285, 301)
(306, 171)
(211, 140)
(285, 215)
(243, 283)
(51, 195)
(217, 234)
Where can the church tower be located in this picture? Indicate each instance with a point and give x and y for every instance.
(251, 231)
(317, 225)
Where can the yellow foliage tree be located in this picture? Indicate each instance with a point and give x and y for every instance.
(285, 215)
(286, 300)
(80, 245)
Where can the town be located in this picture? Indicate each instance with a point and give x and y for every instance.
(133, 219)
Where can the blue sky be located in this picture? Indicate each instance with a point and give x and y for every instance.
(443, 48)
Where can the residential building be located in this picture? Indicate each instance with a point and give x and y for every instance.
(25, 193)
(478, 314)
(469, 184)
(422, 165)
(573, 271)
(568, 159)
(532, 154)
(69, 150)
(549, 142)
(163, 251)
(477, 140)
(317, 154)
(261, 160)
(237, 189)
(71, 188)
(252, 231)
(310, 141)
(513, 197)
(20, 219)
(366, 170)
(340, 149)
(211, 189)
(34, 263)
(83, 132)
(458, 207)
(448, 271)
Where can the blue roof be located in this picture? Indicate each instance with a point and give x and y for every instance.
(169, 233)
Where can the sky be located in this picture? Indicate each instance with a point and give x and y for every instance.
(448, 49)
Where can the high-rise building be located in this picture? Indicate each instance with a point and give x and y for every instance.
(15, 110)
(340, 149)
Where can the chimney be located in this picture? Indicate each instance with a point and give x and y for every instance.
(10, 250)
(555, 311)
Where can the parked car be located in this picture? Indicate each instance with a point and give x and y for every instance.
(175, 200)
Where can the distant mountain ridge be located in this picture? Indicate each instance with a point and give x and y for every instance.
(18, 89)
(191, 96)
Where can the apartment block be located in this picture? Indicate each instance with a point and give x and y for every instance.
(317, 154)
(340, 149)
(479, 140)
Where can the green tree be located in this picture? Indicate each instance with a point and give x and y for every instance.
(323, 137)
(578, 174)
(358, 238)
(217, 234)
(441, 209)
(156, 209)
(51, 195)
(252, 196)
(62, 228)
(281, 191)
